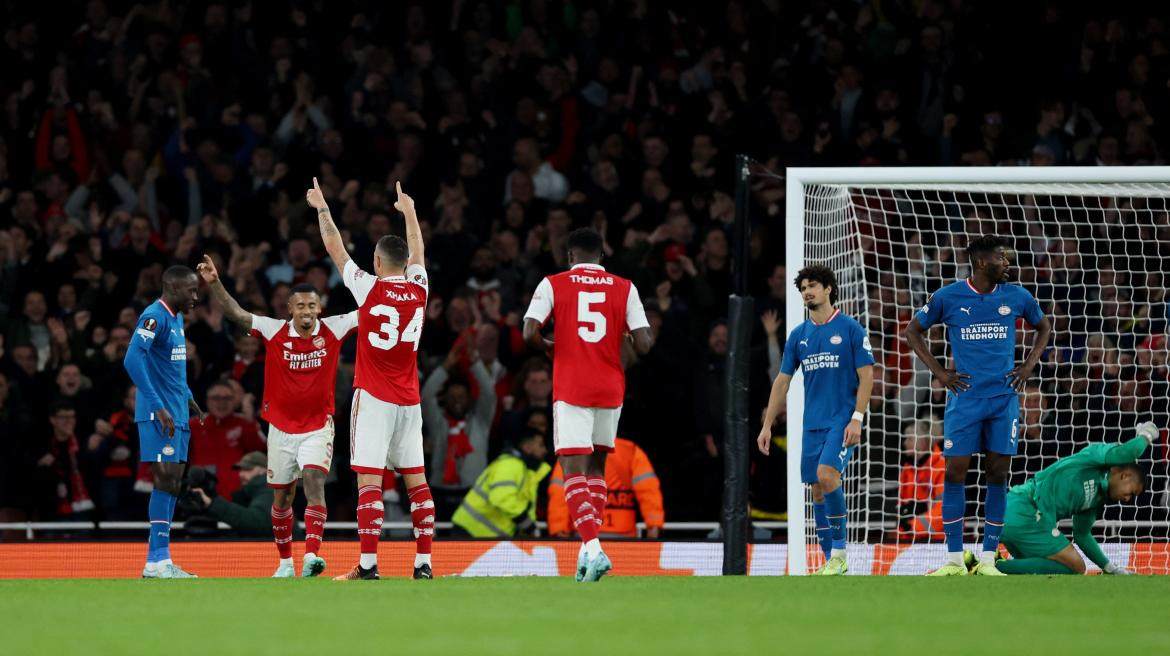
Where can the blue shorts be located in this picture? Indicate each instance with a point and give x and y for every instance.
(973, 425)
(823, 446)
(155, 446)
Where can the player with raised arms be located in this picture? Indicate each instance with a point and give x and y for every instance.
(1077, 488)
(591, 310)
(835, 354)
(386, 418)
(300, 373)
(157, 363)
(983, 404)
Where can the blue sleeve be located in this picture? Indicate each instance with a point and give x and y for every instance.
(862, 349)
(1031, 310)
(135, 361)
(788, 363)
(930, 313)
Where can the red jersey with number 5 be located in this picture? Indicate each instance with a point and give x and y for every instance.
(391, 312)
(591, 310)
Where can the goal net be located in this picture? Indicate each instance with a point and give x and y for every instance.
(1091, 244)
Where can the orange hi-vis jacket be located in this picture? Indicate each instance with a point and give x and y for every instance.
(633, 486)
(924, 482)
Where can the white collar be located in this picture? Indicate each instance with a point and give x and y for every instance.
(587, 265)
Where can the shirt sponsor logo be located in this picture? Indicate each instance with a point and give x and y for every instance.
(983, 332)
(179, 353)
(835, 339)
(310, 360)
(1004, 310)
(820, 361)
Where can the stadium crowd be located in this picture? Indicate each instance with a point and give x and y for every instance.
(136, 136)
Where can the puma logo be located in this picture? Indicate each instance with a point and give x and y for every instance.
(967, 310)
(804, 342)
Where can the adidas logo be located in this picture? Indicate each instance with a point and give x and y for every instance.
(378, 521)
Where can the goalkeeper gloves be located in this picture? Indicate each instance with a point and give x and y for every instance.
(1111, 568)
(1149, 431)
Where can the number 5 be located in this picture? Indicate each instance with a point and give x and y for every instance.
(587, 316)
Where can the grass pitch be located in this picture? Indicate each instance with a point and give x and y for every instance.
(683, 615)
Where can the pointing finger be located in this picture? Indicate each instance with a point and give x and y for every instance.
(398, 187)
(316, 186)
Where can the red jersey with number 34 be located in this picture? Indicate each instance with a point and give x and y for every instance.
(591, 309)
(391, 312)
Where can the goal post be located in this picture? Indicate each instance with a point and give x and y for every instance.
(1092, 244)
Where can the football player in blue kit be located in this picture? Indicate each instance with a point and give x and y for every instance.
(983, 406)
(834, 353)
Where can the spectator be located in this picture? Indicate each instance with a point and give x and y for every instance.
(502, 503)
(60, 468)
(223, 437)
(248, 513)
(921, 483)
(547, 183)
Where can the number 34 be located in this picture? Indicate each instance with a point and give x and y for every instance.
(387, 336)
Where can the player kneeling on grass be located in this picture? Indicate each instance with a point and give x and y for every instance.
(1076, 487)
(300, 369)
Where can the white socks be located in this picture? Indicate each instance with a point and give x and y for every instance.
(422, 559)
(593, 547)
(286, 561)
(837, 553)
(987, 558)
(368, 561)
(955, 557)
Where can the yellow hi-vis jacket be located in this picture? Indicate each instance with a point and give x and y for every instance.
(503, 496)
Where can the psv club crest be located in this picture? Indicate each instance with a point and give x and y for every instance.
(319, 342)
(1004, 310)
(835, 340)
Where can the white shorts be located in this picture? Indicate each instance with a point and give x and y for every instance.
(289, 453)
(578, 430)
(385, 436)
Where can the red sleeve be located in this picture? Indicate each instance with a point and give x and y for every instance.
(562, 157)
(41, 157)
(77, 146)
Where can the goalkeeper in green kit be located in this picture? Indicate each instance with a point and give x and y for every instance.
(1076, 487)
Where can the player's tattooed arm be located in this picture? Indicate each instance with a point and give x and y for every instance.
(231, 308)
(414, 240)
(330, 235)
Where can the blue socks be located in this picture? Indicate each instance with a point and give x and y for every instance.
(835, 510)
(953, 508)
(993, 510)
(161, 509)
(824, 535)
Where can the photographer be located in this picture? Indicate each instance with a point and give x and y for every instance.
(248, 511)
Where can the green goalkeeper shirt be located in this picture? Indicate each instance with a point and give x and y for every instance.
(1077, 487)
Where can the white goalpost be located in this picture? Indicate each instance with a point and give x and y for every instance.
(1091, 243)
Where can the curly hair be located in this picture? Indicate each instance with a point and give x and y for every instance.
(818, 273)
(984, 245)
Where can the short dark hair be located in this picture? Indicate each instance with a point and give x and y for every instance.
(394, 249)
(985, 244)
(60, 406)
(528, 435)
(304, 288)
(818, 273)
(586, 241)
(176, 274)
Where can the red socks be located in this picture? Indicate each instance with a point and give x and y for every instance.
(314, 528)
(598, 494)
(282, 527)
(422, 515)
(582, 512)
(369, 517)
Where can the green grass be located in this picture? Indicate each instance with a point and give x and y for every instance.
(712, 616)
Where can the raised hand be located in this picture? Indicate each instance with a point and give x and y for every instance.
(316, 198)
(771, 321)
(405, 203)
(207, 270)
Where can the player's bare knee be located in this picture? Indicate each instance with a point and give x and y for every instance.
(957, 470)
(828, 479)
(817, 494)
(282, 497)
(596, 465)
(314, 484)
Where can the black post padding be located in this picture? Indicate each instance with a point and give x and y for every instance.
(737, 436)
(736, 433)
